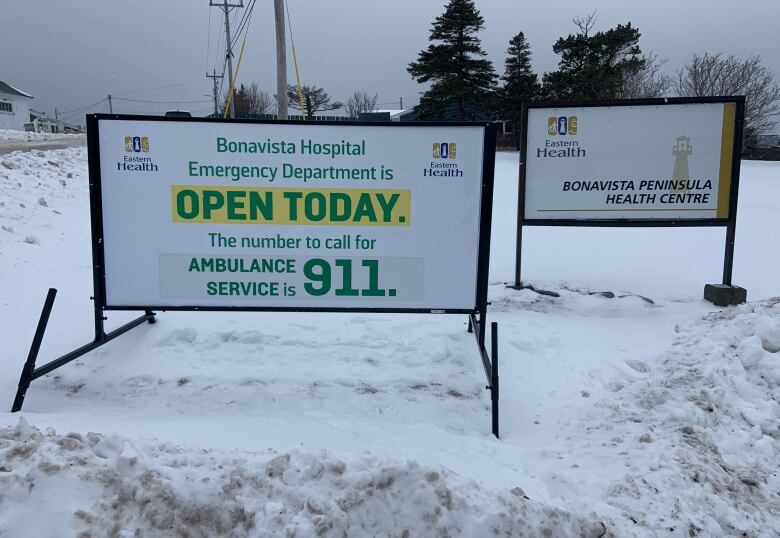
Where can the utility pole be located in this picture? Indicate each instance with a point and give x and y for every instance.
(110, 106)
(214, 76)
(402, 103)
(229, 54)
(281, 61)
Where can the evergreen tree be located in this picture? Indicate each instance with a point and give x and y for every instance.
(594, 66)
(462, 80)
(521, 84)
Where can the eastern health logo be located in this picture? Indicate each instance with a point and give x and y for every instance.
(559, 147)
(135, 162)
(445, 150)
(137, 144)
(562, 125)
(441, 164)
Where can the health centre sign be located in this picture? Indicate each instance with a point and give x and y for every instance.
(665, 160)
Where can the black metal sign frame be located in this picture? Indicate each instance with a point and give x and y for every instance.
(730, 223)
(486, 208)
(477, 316)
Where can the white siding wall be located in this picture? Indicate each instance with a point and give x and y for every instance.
(20, 115)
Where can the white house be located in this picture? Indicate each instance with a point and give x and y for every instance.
(14, 107)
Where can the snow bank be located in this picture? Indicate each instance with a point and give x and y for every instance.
(109, 486)
(36, 187)
(699, 430)
(10, 134)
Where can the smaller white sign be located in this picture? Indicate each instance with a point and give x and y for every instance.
(637, 162)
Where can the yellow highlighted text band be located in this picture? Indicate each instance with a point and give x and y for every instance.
(310, 207)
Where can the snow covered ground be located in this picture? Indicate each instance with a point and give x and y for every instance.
(12, 141)
(620, 417)
(11, 134)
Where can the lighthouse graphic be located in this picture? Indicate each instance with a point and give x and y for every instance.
(681, 151)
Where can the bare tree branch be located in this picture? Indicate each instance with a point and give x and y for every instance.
(360, 102)
(586, 22)
(249, 100)
(716, 74)
(647, 81)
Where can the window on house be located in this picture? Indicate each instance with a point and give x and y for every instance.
(5, 107)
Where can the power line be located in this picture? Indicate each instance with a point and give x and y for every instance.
(231, 97)
(238, 27)
(78, 111)
(244, 24)
(160, 102)
(82, 108)
(161, 87)
(222, 77)
(208, 41)
(218, 49)
(245, 28)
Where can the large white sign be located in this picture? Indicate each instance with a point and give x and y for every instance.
(215, 214)
(666, 161)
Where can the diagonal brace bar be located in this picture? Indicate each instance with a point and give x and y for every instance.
(29, 365)
(30, 372)
(65, 359)
(477, 329)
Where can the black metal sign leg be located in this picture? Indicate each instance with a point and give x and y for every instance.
(490, 363)
(519, 256)
(482, 327)
(728, 258)
(494, 376)
(29, 366)
(100, 331)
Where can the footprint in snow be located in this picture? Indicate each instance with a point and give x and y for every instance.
(523, 345)
(638, 366)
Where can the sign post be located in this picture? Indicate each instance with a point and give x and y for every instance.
(649, 162)
(206, 214)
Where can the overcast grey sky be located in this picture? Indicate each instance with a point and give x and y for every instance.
(71, 54)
